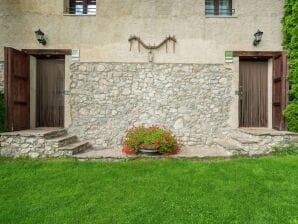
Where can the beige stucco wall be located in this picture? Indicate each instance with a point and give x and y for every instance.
(104, 37)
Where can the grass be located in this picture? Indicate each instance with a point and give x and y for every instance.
(246, 190)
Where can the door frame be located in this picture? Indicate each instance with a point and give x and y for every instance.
(46, 54)
(270, 56)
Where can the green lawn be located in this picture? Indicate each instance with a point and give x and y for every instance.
(247, 190)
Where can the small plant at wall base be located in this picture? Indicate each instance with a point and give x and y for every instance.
(290, 42)
(153, 137)
(2, 113)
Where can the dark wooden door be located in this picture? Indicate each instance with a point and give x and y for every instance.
(50, 92)
(279, 91)
(17, 89)
(253, 94)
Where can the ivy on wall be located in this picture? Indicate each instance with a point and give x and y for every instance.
(290, 42)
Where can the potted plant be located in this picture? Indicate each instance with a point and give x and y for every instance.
(150, 140)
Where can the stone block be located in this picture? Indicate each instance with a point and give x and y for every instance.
(34, 155)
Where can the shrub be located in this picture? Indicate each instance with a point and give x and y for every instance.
(288, 150)
(153, 137)
(291, 113)
(2, 113)
(290, 42)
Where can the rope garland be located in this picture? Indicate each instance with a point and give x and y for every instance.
(152, 47)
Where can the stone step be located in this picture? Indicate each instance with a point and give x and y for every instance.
(294, 139)
(100, 154)
(245, 140)
(62, 141)
(75, 148)
(229, 144)
(55, 133)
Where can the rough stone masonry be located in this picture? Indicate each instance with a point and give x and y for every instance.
(193, 100)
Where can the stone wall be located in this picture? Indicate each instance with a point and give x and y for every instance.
(1, 77)
(21, 146)
(33, 146)
(107, 98)
(41, 142)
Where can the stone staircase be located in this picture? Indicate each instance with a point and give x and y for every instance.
(41, 142)
(63, 142)
(254, 141)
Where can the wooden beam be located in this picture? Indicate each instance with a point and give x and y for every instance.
(267, 54)
(43, 52)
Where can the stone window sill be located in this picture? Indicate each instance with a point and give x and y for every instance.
(66, 14)
(212, 16)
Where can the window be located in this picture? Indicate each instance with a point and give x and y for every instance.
(81, 7)
(218, 8)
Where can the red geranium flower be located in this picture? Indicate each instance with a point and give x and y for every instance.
(126, 150)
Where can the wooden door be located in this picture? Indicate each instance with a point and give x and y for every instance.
(50, 92)
(279, 91)
(17, 89)
(253, 94)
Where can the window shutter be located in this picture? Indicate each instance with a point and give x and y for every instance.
(91, 7)
(72, 6)
(91, 2)
(216, 7)
(76, 6)
(230, 7)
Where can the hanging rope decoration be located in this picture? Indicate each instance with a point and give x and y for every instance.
(153, 47)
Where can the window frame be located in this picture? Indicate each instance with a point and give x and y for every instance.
(85, 9)
(217, 10)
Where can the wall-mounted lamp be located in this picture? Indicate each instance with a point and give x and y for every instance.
(258, 38)
(40, 37)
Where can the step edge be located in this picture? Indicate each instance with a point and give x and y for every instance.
(73, 146)
(61, 138)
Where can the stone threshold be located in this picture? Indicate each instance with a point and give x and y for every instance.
(34, 132)
(266, 132)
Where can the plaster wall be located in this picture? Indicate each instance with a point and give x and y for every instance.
(104, 37)
(67, 108)
(233, 120)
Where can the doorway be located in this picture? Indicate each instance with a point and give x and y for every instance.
(252, 101)
(253, 93)
(50, 78)
(34, 88)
